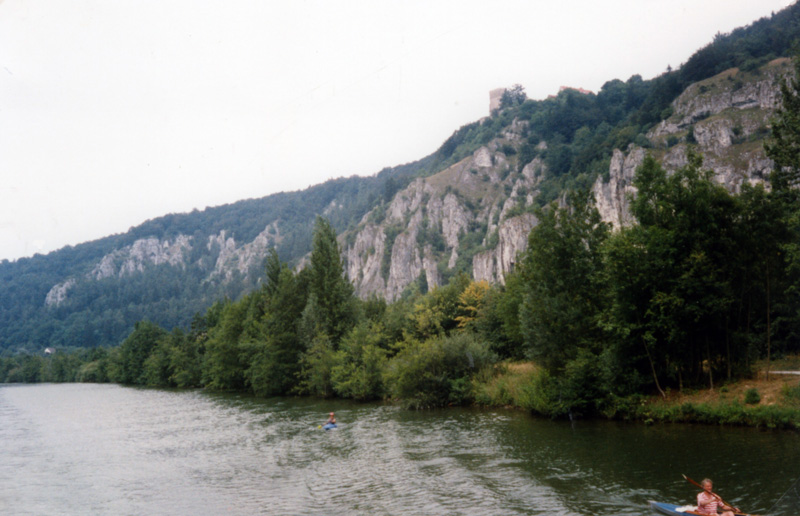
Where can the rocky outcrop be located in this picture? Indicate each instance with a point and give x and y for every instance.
(475, 216)
(719, 116)
(494, 264)
(245, 258)
(58, 293)
(363, 260)
(147, 252)
(612, 197)
(143, 252)
(429, 219)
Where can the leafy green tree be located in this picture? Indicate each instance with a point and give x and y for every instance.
(157, 366)
(438, 371)
(564, 294)
(316, 368)
(134, 351)
(674, 276)
(332, 292)
(360, 363)
(783, 146)
(276, 363)
(186, 358)
(223, 364)
(513, 96)
(437, 312)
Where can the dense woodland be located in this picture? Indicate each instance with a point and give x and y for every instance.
(704, 283)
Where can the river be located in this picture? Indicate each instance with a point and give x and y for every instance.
(76, 449)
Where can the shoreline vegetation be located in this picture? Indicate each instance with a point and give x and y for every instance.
(770, 402)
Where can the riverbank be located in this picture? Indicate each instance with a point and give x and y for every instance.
(764, 401)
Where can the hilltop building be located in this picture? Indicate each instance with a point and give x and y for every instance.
(495, 96)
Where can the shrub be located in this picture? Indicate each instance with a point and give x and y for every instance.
(316, 367)
(360, 363)
(437, 372)
(791, 393)
(752, 396)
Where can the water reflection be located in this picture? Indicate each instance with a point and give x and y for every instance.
(100, 449)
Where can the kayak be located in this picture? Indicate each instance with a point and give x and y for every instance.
(671, 508)
(329, 426)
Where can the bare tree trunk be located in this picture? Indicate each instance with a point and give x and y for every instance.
(728, 346)
(653, 368)
(710, 368)
(769, 327)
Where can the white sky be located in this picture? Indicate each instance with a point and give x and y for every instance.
(115, 112)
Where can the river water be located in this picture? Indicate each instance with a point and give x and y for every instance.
(108, 450)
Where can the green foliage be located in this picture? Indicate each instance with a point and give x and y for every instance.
(562, 279)
(360, 363)
(791, 393)
(436, 372)
(223, 367)
(513, 96)
(316, 368)
(752, 396)
(135, 350)
(733, 414)
(332, 291)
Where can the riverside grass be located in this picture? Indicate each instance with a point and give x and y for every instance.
(524, 386)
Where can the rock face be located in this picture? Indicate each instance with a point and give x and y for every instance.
(721, 117)
(241, 259)
(612, 198)
(147, 251)
(424, 228)
(58, 293)
(493, 265)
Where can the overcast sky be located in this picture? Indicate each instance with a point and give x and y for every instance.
(115, 112)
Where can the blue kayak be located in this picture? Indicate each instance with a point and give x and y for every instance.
(329, 426)
(671, 508)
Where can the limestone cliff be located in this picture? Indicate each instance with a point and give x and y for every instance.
(462, 218)
(231, 258)
(724, 118)
(475, 215)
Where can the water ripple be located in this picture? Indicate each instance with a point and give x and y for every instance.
(104, 449)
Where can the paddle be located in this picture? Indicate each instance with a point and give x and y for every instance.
(718, 497)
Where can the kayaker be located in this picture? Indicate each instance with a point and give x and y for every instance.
(331, 419)
(709, 503)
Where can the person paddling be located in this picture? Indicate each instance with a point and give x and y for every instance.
(331, 419)
(710, 503)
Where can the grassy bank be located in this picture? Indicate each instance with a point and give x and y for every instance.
(763, 401)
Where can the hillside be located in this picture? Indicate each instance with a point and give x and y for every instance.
(468, 207)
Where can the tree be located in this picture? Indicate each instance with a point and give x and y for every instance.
(470, 303)
(275, 364)
(673, 275)
(513, 96)
(135, 349)
(360, 363)
(783, 147)
(561, 272)
(332, 291)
